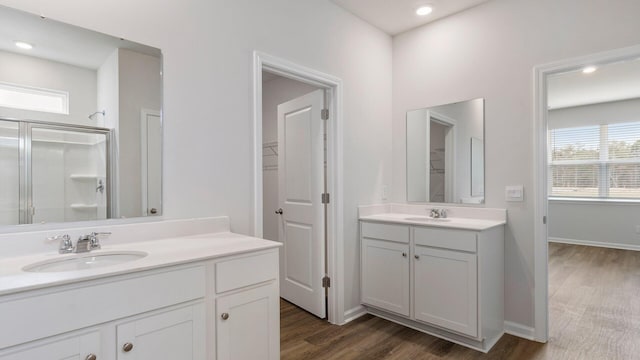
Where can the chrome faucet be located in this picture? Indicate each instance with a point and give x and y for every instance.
(66, 245)
(89, 242)
(438, 213)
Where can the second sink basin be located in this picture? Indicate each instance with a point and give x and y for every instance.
(85, 261)
(426, 219)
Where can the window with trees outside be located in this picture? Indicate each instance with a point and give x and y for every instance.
(601, 161)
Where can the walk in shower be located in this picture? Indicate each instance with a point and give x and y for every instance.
(53, 172)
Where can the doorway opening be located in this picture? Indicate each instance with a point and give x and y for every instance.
(297, 193)
(586, 171)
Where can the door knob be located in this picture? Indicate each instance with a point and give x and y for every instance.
(153, 211)
(279, 211)
(224, 316)
(417, 257)
(404, 254)
(127, 347)
(91, 357)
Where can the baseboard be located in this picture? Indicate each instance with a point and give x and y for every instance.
(354, 313)
(595, 243)
(519, 330)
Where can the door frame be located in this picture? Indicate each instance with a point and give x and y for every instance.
(540, 163)
(144, 171)
(450, 152)
(334, 218)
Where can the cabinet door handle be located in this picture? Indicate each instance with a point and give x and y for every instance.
(224, 316)
(127, 347)
(91, 357)
(417, 257)
(404, 254)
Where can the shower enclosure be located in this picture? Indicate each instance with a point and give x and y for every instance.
(53, 172)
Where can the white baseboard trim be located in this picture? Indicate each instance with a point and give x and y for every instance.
(519, 330)
(353, 314)
(595, 243)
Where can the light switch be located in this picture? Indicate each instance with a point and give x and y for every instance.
(514, 193)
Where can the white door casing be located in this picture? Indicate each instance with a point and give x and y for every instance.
(301, 183)
(151, 161)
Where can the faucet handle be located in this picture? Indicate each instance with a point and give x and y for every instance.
(66, 245)
(94, 239)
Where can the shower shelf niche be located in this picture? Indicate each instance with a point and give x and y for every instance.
(84, 207)
(83, 177)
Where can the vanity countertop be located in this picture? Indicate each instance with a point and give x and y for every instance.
(450, 222)
(161, 253)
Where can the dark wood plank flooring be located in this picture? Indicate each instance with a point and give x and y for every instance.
(594, 312)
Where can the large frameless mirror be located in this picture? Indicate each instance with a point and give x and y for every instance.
(80, 123)
(445, 153)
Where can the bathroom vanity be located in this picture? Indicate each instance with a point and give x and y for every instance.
(442, 276)
(194, 296)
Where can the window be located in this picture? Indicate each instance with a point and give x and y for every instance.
(601, 161)
(36, 99)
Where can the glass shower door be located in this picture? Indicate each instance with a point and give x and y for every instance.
(69, 174)
(9, 173)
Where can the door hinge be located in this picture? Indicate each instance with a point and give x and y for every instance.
(324, 114)
(326, 282)
(544, 220)
(325, 198)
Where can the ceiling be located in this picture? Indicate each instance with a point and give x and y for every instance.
(611, 82)
(60, 42)
(397, 16)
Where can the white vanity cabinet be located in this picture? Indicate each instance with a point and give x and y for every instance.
(385, 261)
(248, 308)
(444, 281)
(222, 308)
(82, 346)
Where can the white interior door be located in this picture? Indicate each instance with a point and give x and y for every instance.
(300, 187)
(151, 163)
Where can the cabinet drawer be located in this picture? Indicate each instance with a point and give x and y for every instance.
(397, 233)
(446, 238)
(245, 271)
(86, 304)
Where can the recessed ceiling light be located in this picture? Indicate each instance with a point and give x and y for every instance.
(24, 45)
(589, 69)
(424, 10)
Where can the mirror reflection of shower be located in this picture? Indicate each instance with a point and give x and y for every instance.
(61, 170)
(96, 113)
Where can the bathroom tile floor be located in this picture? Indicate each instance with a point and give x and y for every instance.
(594, 312)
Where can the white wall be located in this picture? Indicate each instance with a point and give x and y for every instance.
(604, 224)
(32, 71)
(274, 93)
(207, 47)
(490, 51)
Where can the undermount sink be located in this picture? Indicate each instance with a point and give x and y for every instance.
(427, 219)
(85, 261)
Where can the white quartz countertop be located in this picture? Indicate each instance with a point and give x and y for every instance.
(161, 253)
(450, 222)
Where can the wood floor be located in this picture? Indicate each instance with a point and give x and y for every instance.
(594, 313)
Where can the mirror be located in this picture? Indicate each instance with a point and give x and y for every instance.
(445, 153)
(80, 123)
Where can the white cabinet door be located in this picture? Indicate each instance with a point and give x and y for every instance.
(80, 347)
(446, 289)
(248, 324)
(175, 334)
(385, 275)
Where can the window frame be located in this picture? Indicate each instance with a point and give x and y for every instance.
(603, 162)
(32, 90)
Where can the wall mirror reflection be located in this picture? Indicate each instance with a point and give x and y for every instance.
(445, 153)
(80, 123)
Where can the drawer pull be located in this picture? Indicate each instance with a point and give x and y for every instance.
(224, 316)
(127, 347)
(404, 254)
(91, 357)
(417, 257)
